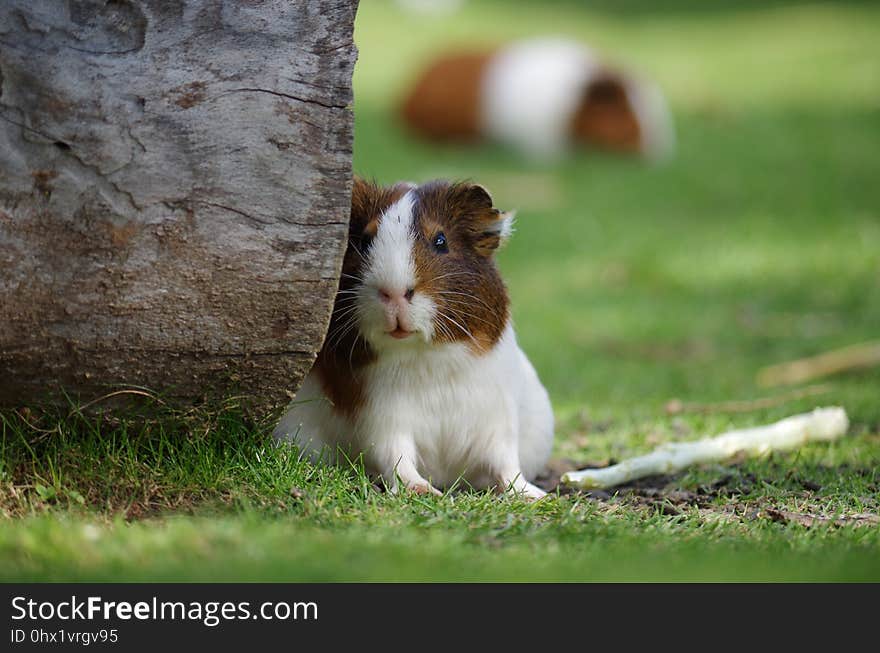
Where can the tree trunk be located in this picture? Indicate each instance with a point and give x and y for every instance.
(175, 184)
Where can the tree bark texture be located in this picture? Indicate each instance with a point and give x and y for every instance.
(175, 184)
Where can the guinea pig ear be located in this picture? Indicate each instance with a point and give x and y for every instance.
(474, 196)
(489, 226)
(493, 231)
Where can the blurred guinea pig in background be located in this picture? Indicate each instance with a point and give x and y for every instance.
(543, 97)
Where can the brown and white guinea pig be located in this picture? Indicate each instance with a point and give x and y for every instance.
(420, 371)
(542, 97)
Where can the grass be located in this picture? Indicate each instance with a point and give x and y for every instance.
(632, 285)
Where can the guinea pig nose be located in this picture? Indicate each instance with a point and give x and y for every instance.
(388, 296)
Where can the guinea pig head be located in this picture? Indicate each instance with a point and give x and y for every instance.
(419, 270)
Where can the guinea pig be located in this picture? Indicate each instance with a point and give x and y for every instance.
(420, 373)
(541, 97)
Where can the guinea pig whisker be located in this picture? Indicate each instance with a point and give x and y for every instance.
(467, 314)
(450, 275)
(340, 336)
(356, 250)
(344, 321)
(357, 336)
(456, 292)
(347, 321)
(352, 276)
(438, 322)
(461, 314)
(458, 302)
(345, 309)
(463, 329)
(464, 294)
(346, 301)
(346, 314)
(344, 305)
(460, 273)
(349, 293)
(444, 330)
(464, 315)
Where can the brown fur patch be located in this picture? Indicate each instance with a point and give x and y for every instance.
(464, 283)
(444, 103)
(605, 117)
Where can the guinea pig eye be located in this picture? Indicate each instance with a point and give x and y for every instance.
(439, 243)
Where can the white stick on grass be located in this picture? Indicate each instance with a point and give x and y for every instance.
(789, 433)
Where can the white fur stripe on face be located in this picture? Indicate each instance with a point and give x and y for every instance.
(391, 265)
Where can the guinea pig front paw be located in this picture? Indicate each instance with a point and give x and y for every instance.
(520, 488)
(424, 488)
(532, 493)
(421, 487)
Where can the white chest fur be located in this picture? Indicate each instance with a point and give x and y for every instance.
(437, 414)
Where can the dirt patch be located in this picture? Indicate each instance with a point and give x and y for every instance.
(810, 520)
(729, 497)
